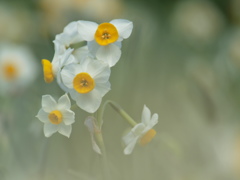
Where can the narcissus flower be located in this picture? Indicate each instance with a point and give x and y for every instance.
(142, 132)
(62, 43)
(104, 40)
(51, 69)
(88, 82)
(18, 67)
(56, 116)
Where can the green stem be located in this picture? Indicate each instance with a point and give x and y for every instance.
(118, 109)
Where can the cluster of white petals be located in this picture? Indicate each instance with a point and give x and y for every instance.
(84, 54)
(111, 52)
(102, 51)
(99, 72)
(56, 116)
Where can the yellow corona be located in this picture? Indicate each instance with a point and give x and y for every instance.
(10, 71)
(147, 137)
(47, 71)
(55, 117)
(83, 83)
(106, 33)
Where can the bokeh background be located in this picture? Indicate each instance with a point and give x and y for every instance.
(182, 60)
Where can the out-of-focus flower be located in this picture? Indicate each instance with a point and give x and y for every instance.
(104, 40)
(197, 20)
(88, 82)
(142, 132)
(56, 116)
(18, 67)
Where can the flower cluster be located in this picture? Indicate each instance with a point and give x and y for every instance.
(84, 54)
(84, 71)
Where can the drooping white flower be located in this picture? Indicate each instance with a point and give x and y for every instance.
(104, 40)
(56, 116)
(88, 82)
(18, 67)
(142, 132)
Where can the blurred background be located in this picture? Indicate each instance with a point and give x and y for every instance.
(182, 60)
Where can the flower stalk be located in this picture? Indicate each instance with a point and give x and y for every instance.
(118, 109)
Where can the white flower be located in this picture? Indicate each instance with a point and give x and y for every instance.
(56, 116)
(18, 67)
(53, 70)
(88, 82)
(63, 54)
(142, 132)
(69, 35)
(104, 40)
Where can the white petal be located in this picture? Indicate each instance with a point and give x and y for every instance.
(129, 148)
(70, 34)
(103, 76)
(128, 138)
(87, 29)
(65, 130)
(68, 74)
(71, 59)
(93, 47)
(83, 67)
(59, 50)
(146, 115)
(64, 102)
(98, 70)
(60, 83)
(66, 58)
(138, 129)
(48, 103)
(68, 117)
(103, 88)
(42, 116)
(49, 129)
(110, 54)
(153, 121)
(81, 53)
(89, 102)
(123, 26)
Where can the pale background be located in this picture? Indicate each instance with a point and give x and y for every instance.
(182, 60)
